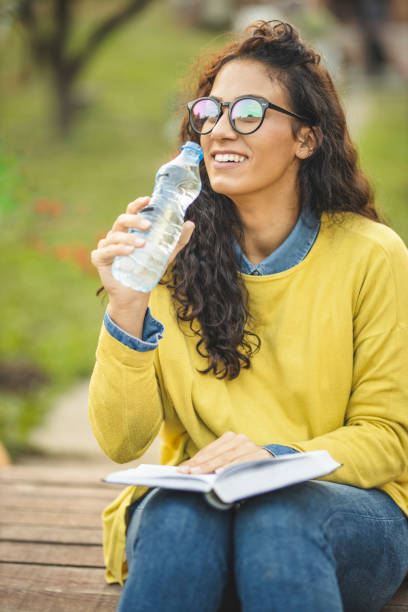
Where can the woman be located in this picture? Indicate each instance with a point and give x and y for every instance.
(282, 327)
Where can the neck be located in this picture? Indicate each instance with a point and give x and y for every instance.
(267, 222)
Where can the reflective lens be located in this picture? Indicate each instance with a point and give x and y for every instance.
(204, 115)
(246, 115)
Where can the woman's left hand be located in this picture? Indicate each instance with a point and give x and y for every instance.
(228, 449)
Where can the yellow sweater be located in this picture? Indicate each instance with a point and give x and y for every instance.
(332, 373)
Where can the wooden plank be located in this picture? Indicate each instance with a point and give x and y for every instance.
(89, 520)
(395, 607)
(28, 588)
(27, 490)
(49, 601)
(399, 602)
(72, 579)
(67, 483)
(38, 533)
(79, 476)
(66, 505)
(75, 555)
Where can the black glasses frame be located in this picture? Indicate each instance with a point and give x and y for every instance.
(220, 105)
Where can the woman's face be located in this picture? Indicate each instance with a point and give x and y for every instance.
(269, 157)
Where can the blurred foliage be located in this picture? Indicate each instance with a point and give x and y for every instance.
(51, 35)
(47, 305)
(57, 198)
(8, 180)
(19, 415)
(383, 146)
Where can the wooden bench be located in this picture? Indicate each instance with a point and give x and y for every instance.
(51, 542)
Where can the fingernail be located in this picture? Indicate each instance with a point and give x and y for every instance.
(139, 242)
(184, 468)
(144, 223)
(129, 248)
(195, 470)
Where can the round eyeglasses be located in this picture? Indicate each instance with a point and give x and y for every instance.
(246, 113)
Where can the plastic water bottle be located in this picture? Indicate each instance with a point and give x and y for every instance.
(176, 186)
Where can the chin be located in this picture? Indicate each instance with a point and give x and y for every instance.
(226, 188)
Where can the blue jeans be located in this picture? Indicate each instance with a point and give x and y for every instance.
(313, 547)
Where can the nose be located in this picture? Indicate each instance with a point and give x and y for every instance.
(223, 128)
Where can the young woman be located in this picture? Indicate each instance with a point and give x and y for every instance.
(282, 327)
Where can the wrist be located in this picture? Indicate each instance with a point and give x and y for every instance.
(130, 317)
(131, 303)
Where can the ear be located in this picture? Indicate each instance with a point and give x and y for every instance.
(307, 141)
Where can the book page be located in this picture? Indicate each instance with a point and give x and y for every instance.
(255, 477)
(165, 476)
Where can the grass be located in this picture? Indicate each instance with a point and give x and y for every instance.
(383, 147)
(57, 197)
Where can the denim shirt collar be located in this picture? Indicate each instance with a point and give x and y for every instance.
(291, 252)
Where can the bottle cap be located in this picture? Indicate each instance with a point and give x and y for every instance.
(195, 147)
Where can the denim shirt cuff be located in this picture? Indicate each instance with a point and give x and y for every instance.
(279, 449)
(152, 333)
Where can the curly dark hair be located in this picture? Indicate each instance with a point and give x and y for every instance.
(205, 281)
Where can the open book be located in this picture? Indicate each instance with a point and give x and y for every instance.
(236, 482)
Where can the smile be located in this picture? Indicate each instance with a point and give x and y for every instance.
(229, 157)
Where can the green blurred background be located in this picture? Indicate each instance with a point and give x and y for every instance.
(62, 186)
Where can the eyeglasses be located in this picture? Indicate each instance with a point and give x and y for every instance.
(246, 113)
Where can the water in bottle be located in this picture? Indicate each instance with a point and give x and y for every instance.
(176, 186)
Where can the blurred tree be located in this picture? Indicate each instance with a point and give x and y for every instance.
(51, 26)
(211, 14)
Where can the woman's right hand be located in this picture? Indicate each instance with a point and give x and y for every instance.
(118, 241)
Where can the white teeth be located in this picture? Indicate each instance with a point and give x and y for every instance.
(229, 157)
